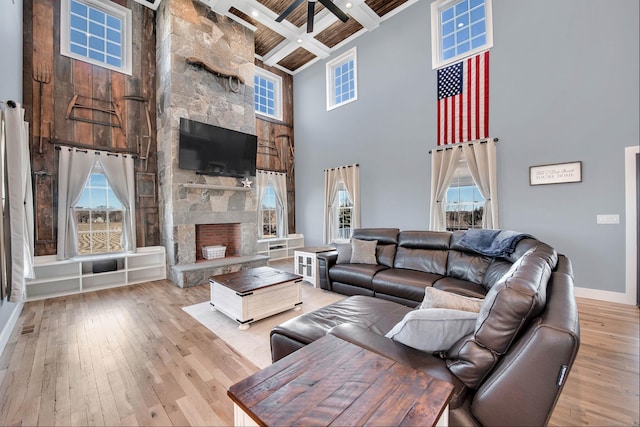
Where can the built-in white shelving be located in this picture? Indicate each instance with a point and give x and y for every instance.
(278, 248)
(56, 278)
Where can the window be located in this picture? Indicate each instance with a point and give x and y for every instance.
(99, 216)
(341, 200)
(269, 213)
(342, 82)
(267, 93)
(344, 211)
(97, 32)
(464, 205)
(459, 28)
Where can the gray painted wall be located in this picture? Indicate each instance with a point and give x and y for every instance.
(563, 87)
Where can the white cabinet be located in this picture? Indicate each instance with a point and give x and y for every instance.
(281, 248)
(56, 278)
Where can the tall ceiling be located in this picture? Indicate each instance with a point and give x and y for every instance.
(286, 45)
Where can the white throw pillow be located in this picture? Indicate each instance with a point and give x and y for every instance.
(437, 298)
(433, 329)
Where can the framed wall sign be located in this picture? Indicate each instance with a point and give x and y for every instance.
(557, 173)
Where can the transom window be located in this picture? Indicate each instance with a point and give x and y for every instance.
(464, 205)
(99, 217)
(267, 93)
(459, 28)
(342, 86)
(98, 32)
(269, 213)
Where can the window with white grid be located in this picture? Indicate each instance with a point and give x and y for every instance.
(267, 93)
(342, 80)
(97, 32)
(459, 29)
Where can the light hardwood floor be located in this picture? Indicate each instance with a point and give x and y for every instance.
(131, 356)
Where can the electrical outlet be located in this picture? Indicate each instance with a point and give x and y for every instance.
(608, 219)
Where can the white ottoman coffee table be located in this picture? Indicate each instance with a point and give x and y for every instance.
(250, 295)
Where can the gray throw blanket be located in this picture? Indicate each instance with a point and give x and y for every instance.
(495, 243)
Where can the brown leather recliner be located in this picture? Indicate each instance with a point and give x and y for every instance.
(509, 371)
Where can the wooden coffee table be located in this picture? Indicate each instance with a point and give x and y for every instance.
(253, 294)
(334, 382)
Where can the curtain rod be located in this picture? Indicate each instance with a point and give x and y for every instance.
(343, 167)
(460, 144)
(58, 144)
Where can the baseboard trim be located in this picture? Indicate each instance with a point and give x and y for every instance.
(618, 297)
(7, 329)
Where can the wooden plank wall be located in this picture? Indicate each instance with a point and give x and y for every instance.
(98, 87)
(275, 141)
(104, 88)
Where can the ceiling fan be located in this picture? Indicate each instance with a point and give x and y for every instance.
(311, 6)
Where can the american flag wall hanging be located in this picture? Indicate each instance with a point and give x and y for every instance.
(463, 100)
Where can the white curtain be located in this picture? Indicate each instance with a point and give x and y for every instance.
(74, 168)
(119, 170)
(19, 199)
(350, 176)
(443, 167)
(262, 182)
(331, 180)
(279, 182)
(481, 160)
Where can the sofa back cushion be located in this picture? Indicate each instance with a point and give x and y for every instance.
(423, 251)
(508, 308)
(387, 242)
(465, 264)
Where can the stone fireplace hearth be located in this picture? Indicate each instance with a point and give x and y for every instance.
(187, 28)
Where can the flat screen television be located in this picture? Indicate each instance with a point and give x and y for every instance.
(212, 150)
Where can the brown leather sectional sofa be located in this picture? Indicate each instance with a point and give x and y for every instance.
(509, 371)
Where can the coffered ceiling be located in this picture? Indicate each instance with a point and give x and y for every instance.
(287, 45)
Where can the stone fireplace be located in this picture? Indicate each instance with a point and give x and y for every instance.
(189, 29)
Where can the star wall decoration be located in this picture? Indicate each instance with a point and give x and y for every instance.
(246, 183)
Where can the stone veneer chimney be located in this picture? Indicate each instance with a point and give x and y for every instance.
(187, 28)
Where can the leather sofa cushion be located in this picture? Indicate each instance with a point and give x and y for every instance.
(427, 260)
(425, 239)
(495, 271)
(355, 274)
(375, 314)
(465, 266)
(384, 236)
(461, 287)
(386, 254)
(508, 308)
(407, 284)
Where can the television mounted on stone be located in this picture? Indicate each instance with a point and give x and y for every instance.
(213, 150)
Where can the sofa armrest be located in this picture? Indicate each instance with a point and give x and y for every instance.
(326, 260)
